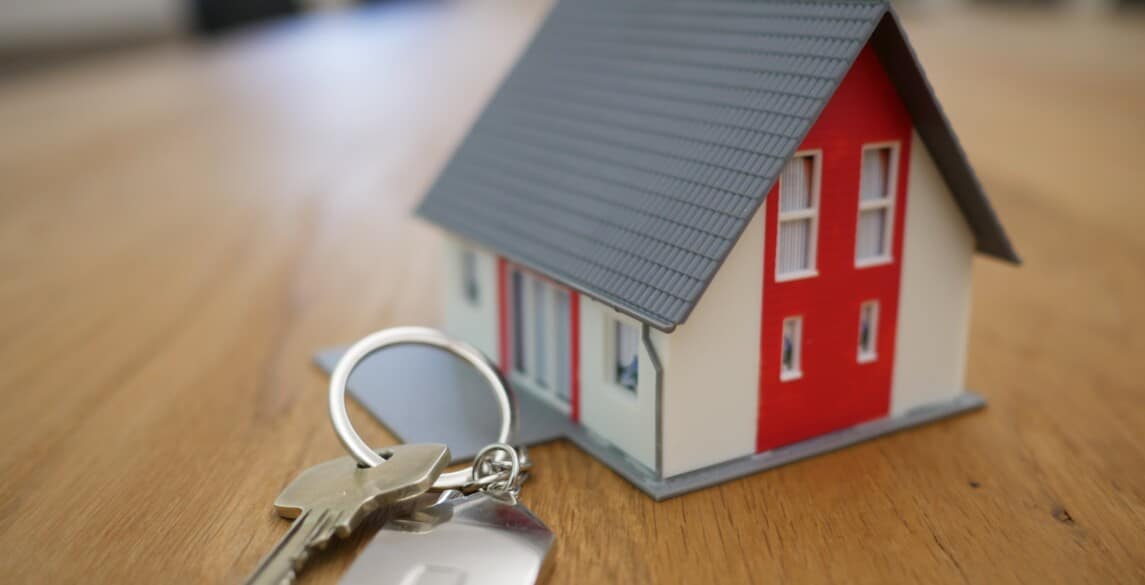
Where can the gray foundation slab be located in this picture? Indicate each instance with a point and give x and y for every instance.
(424, 395)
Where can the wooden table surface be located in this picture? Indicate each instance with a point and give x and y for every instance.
(180, 229)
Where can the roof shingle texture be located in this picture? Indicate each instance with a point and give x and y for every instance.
(631, 144)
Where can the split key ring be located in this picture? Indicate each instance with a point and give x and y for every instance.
(417, 336)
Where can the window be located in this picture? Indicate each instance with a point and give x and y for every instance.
(876, 203)
(540, 335)
(563, 315)
(517, 288)
(625, 347)
(798, 218)
(470, 289)
(868, 331)
(540, 332)
(791, 349)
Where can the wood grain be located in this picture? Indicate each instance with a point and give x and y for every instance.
(181, 228)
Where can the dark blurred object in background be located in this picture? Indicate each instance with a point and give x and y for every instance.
(39, 33)
(216, 16)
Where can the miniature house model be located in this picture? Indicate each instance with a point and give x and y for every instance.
(702, 231)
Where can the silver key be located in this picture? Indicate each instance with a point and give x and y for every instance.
(334, 497)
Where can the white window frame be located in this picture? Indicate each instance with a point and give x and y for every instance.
(612, 325)
(797, 350)
(811, 213)
(868, 355)
(887, 203)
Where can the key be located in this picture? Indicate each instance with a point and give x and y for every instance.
(333, 498)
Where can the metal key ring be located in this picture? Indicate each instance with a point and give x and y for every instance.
(418, 336)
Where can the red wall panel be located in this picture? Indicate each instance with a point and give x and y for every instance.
(836, 391)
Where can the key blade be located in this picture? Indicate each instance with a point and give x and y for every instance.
(280, 566)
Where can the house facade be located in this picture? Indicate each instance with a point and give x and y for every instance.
(693, 290)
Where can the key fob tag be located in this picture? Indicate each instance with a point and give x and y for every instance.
(479, 539)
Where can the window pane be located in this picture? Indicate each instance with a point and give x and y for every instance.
(540, 332)
(868, 329)
(469, 276)
(795, 184)
(790, 349)
(563, 375)
(876, 173)
(518, 290)
(794, 246)
(871, 241)
(626, 344)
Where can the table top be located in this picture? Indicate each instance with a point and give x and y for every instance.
(180, 229)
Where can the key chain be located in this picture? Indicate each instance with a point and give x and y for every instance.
(333, 498)
(477, 532)
(418, 336)
(485, 538)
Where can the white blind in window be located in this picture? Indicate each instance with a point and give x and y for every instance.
(795, 184)
(795, 248)
(794, 241)
(871, 240)
(876, 173)
(876, 199)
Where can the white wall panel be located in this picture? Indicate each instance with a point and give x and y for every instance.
(472, 322)
(711, 393)
(622, 417)
(934, 305)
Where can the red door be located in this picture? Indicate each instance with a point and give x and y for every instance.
(832, 260)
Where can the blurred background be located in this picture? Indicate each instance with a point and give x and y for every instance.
(38, 32)
(35, 33)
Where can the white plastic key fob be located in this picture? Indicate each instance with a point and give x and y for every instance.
(479, 539)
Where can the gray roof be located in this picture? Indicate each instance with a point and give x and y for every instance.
(634, 140)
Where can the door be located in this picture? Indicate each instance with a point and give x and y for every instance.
(542, 336)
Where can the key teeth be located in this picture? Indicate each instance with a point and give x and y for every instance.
(322, 532)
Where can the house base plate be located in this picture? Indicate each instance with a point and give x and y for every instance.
(424, 395)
